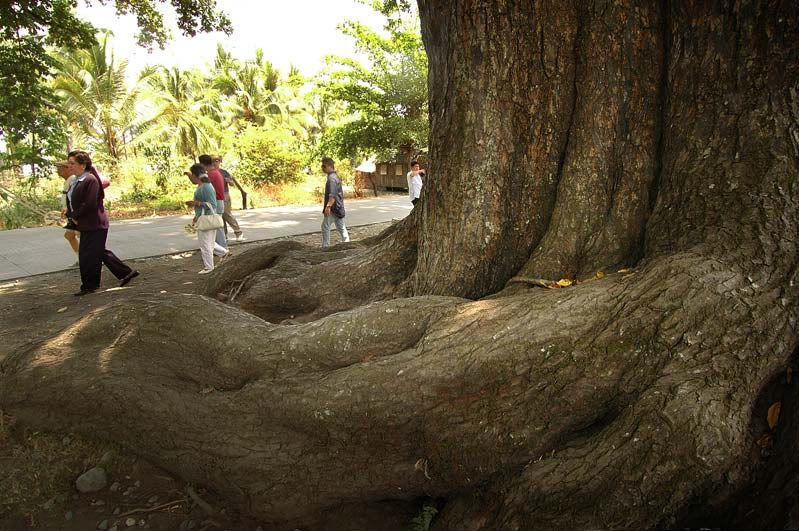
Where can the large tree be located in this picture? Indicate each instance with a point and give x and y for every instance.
(566, 138)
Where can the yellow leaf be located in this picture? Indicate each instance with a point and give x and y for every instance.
(600, 274)
(564, 282)
(625, 270)
(764, 441)
(774, 414)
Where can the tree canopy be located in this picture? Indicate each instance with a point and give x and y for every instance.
(385, 97)
(29, 27)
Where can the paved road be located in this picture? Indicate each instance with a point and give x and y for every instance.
(25, 252)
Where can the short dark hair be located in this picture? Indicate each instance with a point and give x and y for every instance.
(415, 163)
(327, 161)
(206, 159)
(197, 169)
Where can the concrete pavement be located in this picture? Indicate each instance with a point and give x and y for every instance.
(25, 252)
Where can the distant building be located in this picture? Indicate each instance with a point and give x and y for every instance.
(391, 174)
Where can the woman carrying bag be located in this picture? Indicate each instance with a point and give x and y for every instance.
(206, 219)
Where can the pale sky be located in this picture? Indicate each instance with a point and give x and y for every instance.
(298, 32)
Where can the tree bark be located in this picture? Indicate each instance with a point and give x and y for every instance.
(566, 138)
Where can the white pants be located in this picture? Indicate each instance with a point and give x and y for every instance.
(206, 239)
(342, 228)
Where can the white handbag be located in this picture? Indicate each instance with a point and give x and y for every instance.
(210, 221)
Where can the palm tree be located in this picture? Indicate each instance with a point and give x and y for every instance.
(185, 116)
(95, 99)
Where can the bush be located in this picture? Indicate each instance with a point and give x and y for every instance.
(46, 198)
(266, 157)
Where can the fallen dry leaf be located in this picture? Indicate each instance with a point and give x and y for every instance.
(60, 310)
(625, 270)
(564, 282)
(764, 441)
(600, 274)
(774, 414)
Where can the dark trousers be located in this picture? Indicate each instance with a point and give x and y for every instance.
(92, 254)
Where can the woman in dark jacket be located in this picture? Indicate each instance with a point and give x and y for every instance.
(85, 205)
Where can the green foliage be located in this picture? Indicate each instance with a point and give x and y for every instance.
(164, 164)
(386, 99)
(38, 148)
(266, 156)
(95, 99)
(28, 27)
(14, 214)
(186, 113)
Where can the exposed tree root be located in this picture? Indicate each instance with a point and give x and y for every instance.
(548, 401)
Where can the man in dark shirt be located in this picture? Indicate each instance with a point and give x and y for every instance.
(218, 182)
(333, 206)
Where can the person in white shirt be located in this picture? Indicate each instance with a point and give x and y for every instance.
(415, 182)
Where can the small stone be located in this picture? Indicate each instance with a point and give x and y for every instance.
(137, 484)
(153, 500)
(127, 491)
(116, 511)
(49, 504)
(107, 458)
(68, 516)
(102, 526)
(114, 486)
(142, 523)
(92, 480)
(130, 522)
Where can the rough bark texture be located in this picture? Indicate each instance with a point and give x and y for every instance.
(568, 138)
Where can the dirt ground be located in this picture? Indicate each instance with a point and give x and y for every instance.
(38, 470)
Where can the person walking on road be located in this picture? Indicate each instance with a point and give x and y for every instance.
(204, 202)
(333, 206)
(85, 207)
(71, 233)
(218, 182)
(228, 214)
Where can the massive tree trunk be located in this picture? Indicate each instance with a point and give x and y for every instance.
(567, 138)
